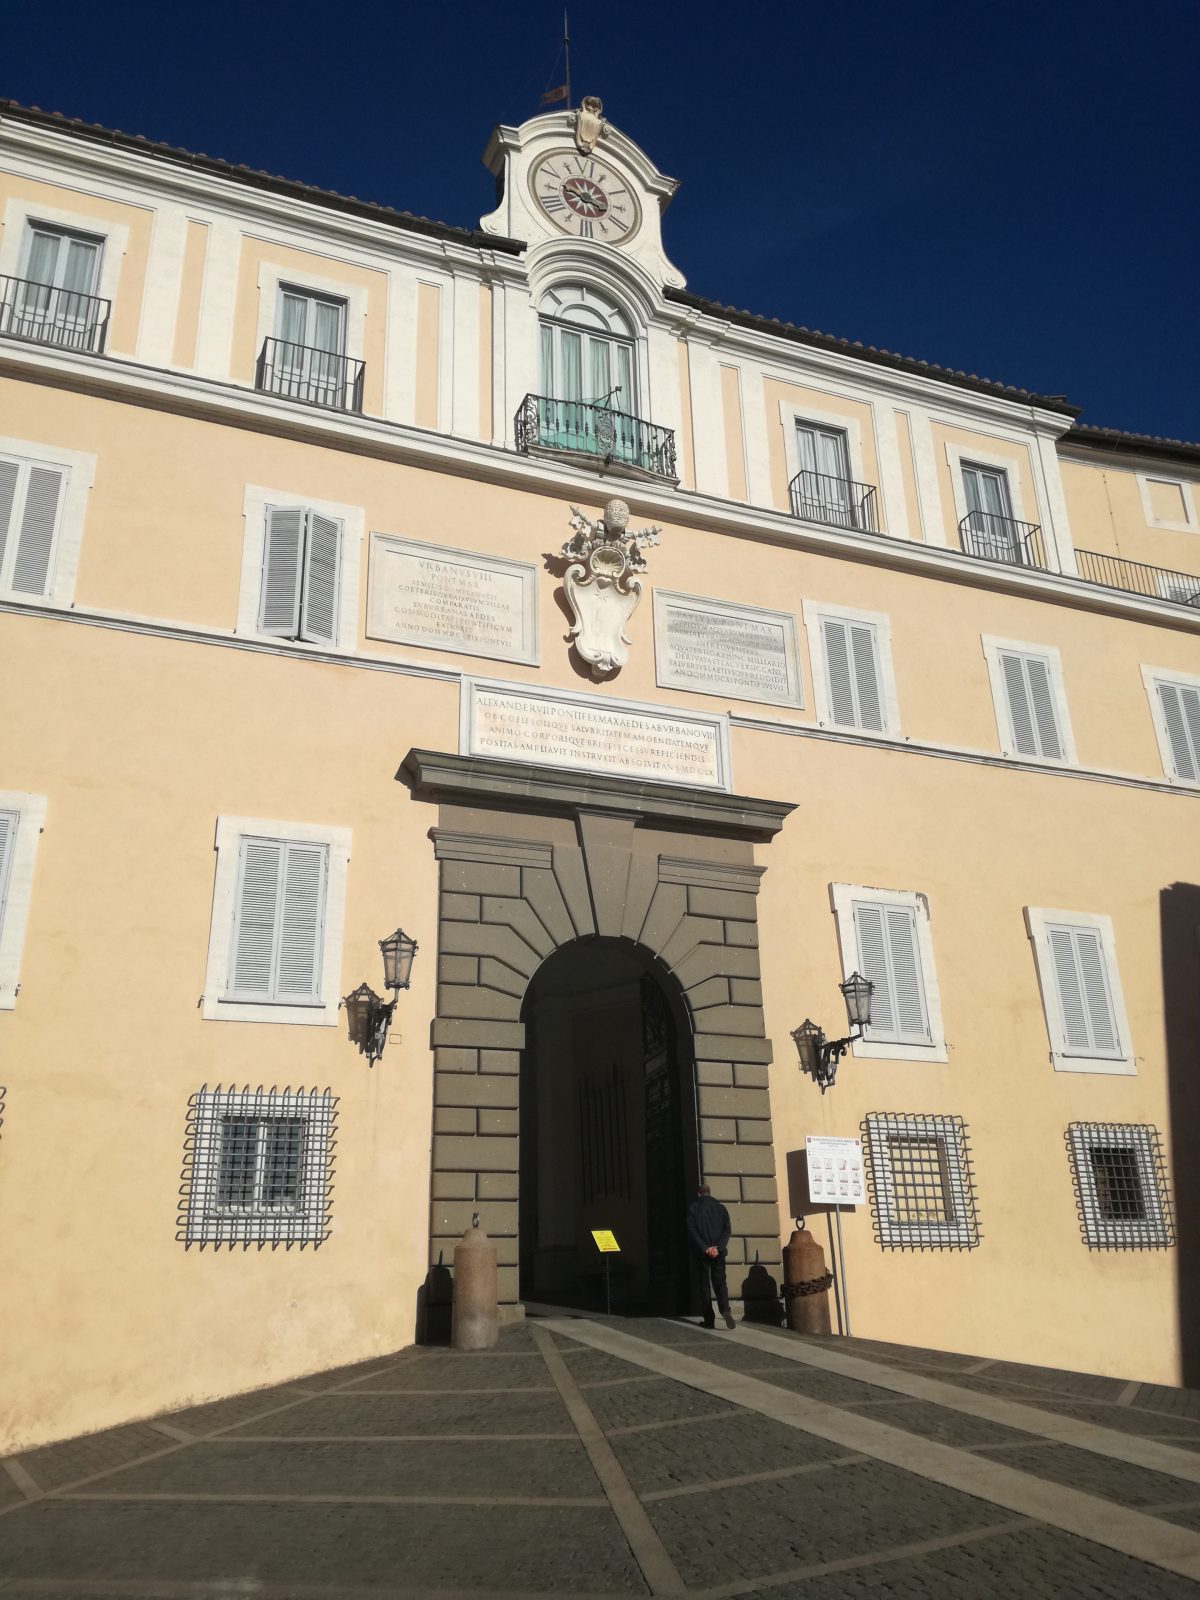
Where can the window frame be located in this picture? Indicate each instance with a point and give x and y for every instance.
(217, 1003)
(1039, 920)
(204, 1219)
(1151, 678)
(880, 1130)
(814, 613)
(79, 471)
(65, 234)
(274, 279)
(20, 213)
(993, 649)
(256, 501)
(1191, 522)
(16, 886)
(872, 1047)
(1153, 1231)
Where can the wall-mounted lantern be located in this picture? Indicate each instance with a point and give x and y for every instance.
(819, 1056)
(368, 1015)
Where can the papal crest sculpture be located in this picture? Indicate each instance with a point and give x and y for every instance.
(602, 592)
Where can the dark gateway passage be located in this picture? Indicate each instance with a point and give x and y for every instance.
(608, 1131)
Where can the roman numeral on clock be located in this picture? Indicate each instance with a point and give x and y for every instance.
(553, 202)
(585, 228)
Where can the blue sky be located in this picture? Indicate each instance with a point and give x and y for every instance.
(1009, 187)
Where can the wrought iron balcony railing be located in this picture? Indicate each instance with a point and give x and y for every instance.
(995, 538)
(817, 497)
(47, 315)
(1135, 577)
(579, 428)
(318, 377)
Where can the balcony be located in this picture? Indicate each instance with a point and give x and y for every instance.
(315, 377)
(1159, 583)
(597, 433)
(46, 315)
(990, 537)
(817, 497)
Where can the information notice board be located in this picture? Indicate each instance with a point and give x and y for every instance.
(835, 1171)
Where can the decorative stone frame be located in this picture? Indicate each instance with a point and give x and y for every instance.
(532, 861)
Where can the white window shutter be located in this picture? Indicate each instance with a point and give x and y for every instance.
(1085, 1000)
(872, 961)
(321, 580)
(838, 672)
(257, 914)
(1041, 696)
(1020, 710)
(8, 835)
(300, 939)
(866, 676)
(1181, 714)
(890, 956)
(279, 607)
(9, 472)
(35, 540)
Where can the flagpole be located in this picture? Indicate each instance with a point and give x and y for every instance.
(567, 59)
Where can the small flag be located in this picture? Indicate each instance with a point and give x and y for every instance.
(553, 96)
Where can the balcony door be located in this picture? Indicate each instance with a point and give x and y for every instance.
(990, 527)
(56, 301)
(310, 353)
(824, 492)
(588, 394)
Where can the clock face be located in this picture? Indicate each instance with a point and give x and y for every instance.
(584, 197)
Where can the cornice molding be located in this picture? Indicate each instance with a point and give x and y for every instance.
(209, 399)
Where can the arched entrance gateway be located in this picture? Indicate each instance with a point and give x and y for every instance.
(599, 1041)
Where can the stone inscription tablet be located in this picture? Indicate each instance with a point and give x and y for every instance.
(716, 647)
(449, 599)
(557, 728)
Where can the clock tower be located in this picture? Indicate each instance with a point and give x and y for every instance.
(570, 175)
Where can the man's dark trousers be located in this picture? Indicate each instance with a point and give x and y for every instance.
(713, 1284)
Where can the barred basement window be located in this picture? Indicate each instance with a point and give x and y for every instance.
(922, 1186)
(1120, 1186)
(258, 1167)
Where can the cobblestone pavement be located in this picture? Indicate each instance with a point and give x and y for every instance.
(608, 1457)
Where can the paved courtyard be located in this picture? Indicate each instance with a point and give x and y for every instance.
(611, 1457)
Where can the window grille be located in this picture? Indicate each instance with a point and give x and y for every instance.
(922, 1184)
(1120, 1186)
(258, 1167)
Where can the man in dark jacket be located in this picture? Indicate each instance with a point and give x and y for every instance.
(708, 1235)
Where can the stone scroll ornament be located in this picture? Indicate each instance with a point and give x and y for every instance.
(602, 592)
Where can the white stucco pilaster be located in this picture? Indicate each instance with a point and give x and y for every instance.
(219, 299)
(927, 479)
(164, 275)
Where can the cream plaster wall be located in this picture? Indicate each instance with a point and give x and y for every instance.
(191, 291)
(99, 213)
(426, 358)
(1108, 514)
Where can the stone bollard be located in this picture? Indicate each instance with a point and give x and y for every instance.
(475, 1320)
(806, 1284)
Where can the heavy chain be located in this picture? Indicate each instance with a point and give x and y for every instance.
(808, 1286)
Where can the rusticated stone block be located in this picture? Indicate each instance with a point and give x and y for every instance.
(506, 1286)
(718, 1073)
(463, 1000)
(711, 992)
(498, 1121)
(742, 933)
(767, 1252)
(757, 1159)
(745, 991)
(571, 876)
(545, 897)
(488, 939)
(455, 1060)
(764, 1189)
(738, 1021)
(690, 932)
(716, 1102)
(480, 877)
(453, 1185)
(753, 1132)
(452, 1217)
(667, 911)
(469, 1032)
(504, 1061)
(722, 903)
(454, 1119)
(459, 908)
(516, 914)
(452, 1154)
(724, 1188)
(498, 1185)
(751, 1220)
(750, 1075)
(458, 969)
(717, 1128)
(497, 975)
(711, 960)
(722, 1046)
(457, 1089)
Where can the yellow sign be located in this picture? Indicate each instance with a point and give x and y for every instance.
(606, 1242)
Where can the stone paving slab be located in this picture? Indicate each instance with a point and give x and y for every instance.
(726, 1447)
(537, 1468)
(932, 1421)
(460, 1370)
(1118, 1481)
(1032, 1564)
(383, 1415)
(558, 1550)
(57, 1464)
(238, 1408)
(597, 1366)
(659, 1401)
(768, 1527)
(1127, 1419)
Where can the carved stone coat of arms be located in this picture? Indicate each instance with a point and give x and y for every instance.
(601, 587)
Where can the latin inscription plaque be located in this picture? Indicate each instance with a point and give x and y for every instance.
(461, 600)
(557, 728)
(717, 647)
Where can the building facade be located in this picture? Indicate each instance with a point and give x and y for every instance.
(656, 667)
